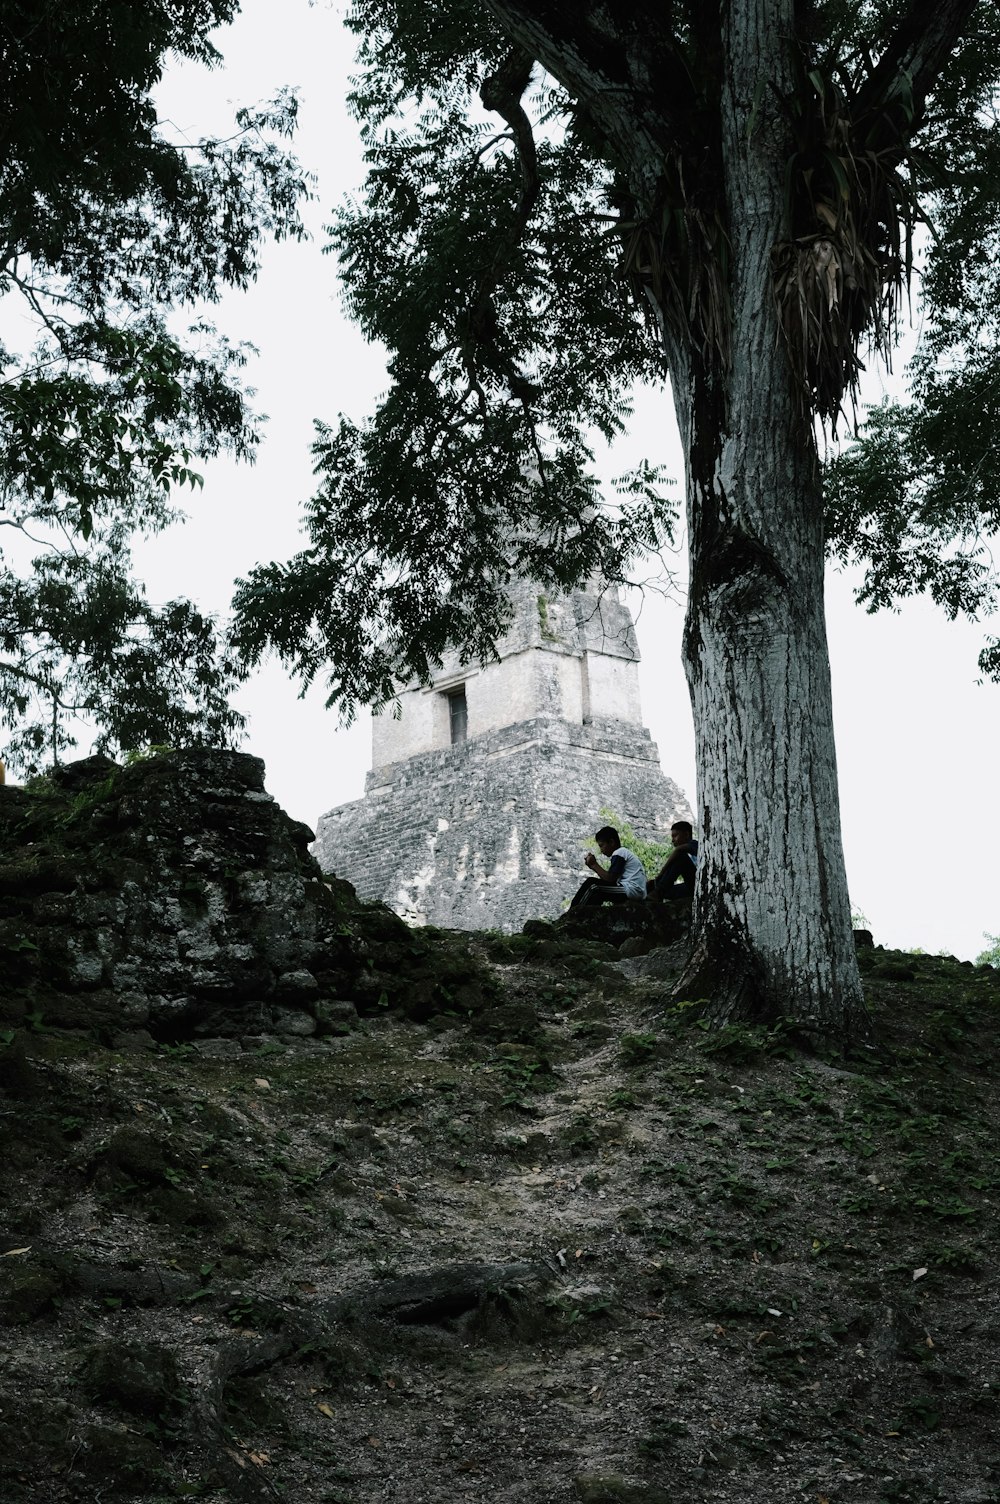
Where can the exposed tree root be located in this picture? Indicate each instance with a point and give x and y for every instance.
(723, 976)
(436, 1297)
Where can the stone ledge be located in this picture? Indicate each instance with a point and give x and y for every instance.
(602, 735)
(634, 927)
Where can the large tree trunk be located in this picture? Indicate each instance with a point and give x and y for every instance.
(772, 929)
(772, 918)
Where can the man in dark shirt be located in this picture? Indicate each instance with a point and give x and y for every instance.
(681, 864)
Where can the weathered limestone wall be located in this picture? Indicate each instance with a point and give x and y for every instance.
(491, 832)
(566, 657)
(174, 896)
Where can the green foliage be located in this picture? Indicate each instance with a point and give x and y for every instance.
(991, 955)
(544, 622)
(495, 252)
(916, 500)
(79, 640)
(638, 1049)
(111, 229)
(110, 226)
(479, 274)
(742, 1042)
(143, 754)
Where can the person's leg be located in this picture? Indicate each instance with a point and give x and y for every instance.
(580, 896)
(613, 894)
(666, 884)
(603, 893)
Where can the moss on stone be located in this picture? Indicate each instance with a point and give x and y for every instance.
(137, 1377)
(132, 1154)
(18, 1076)
(26, 1293)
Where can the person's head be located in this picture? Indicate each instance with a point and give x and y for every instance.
(681, 832)
(608, 839)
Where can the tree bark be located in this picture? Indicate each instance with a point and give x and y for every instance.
(772, 931)
(772, 927)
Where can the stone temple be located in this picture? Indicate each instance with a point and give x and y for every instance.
(488, 780)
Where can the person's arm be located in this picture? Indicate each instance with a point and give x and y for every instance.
(676, 865)
(673, 860)
(605, 874)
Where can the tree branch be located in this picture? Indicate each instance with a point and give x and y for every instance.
(911, 64)
(634, 61)
(501, 91)
(20, 528)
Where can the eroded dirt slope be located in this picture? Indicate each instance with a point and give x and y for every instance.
(571, 1247)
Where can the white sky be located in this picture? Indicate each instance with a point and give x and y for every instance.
(916, 734)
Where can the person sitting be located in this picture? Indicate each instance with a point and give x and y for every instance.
(624, 877)
(675, 878)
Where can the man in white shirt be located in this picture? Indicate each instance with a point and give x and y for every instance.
(624, 877)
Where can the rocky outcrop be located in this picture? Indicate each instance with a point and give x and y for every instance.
(174, 895)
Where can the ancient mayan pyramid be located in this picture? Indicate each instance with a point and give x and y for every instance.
(485, 787)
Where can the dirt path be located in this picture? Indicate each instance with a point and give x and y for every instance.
(603, 1256)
